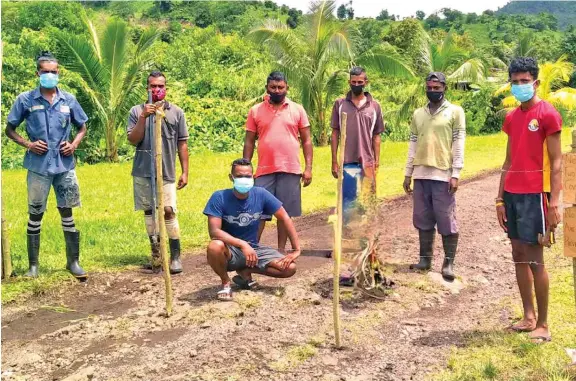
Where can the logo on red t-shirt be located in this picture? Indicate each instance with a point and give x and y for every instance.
(533, 125)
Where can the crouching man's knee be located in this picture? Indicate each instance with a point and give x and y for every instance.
(216, 248)
(290, 270)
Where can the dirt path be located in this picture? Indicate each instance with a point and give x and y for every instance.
(113, 328)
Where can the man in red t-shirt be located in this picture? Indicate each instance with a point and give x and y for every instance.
(279, 125)
(529, 194)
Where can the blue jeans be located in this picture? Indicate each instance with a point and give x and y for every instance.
(352, 175)
(65, 187)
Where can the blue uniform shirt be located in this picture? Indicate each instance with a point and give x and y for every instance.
(50, 123)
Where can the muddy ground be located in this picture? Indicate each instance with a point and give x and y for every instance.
(114, 328)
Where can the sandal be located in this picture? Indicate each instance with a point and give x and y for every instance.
(521, 328)
(243, 283)
(225, 293)
(540, 339)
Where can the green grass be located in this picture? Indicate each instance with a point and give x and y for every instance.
(113, 234)
(497, 355)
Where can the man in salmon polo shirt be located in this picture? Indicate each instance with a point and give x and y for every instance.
(280, 125)
(528, 200)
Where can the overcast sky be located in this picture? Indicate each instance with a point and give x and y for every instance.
(405, 8)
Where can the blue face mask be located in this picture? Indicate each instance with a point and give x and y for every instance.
(243, 184)
(48, 80)
(523, 93)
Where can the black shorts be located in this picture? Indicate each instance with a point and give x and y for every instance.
(265, 256)
(286, 187)
(526, 215)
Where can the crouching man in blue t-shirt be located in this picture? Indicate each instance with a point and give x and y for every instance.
(233, 219)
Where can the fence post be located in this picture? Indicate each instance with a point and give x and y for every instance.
(6, 258)
(338, 231)
(569, 200)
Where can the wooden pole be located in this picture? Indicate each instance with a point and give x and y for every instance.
(338, 232)
(160, 213)
(574, 258)
(6, 258)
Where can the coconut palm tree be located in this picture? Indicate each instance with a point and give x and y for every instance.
(456, 63)
(110, 69)
(317, 57)
(553, 78)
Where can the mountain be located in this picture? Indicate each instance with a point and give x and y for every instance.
(564, 11)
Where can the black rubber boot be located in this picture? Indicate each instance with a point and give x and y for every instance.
(450, 243)
(33, 253)
(175, 263)
(426, 250)
(73, 254)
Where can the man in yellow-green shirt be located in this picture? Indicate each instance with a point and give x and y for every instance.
(435, 159)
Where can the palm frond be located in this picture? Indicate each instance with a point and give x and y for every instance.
(387, 61)
(525, 46)
(554, 75)
(505, 88)
(93, 33)
(285, 46)
(78, 55)
(564, 98)
(132, 87)
(414, 100)
(146, 40)
(334, 86)
(99, 116)
(114, 49)
(510, 102)
(322, 12)
(341, 41)
(472, 70)
(496, 63)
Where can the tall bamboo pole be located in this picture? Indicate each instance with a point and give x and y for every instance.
(161, 222)
(338, 232)
(6, 258)
(574, 259)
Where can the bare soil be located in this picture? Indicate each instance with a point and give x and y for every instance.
(114, 327)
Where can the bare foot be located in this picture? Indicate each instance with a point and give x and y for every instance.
(540, 335)
(524, 325)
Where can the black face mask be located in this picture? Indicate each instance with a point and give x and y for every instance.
(435, 96)
(277, 98)
(357, 89)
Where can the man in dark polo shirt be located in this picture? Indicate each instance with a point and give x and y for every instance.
(362, 152)
(174, 140)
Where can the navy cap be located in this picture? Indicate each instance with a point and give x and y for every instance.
(436, 75)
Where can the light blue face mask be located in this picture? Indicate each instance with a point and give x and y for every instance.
(243, 184)
(48, 80)
(523, 93)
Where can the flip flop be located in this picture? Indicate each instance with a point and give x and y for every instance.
(520, 328)
(225, 293)
(243, 283)
(540, 339)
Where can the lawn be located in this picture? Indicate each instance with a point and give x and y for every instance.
(113, 234)
(497, 355)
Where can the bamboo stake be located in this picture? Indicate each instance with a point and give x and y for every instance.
(338, 232)
(161, 222)
(574, 259)
(6, 258)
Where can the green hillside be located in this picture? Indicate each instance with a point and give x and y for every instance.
(564, 11)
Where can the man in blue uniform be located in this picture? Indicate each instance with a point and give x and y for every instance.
(50, 113)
